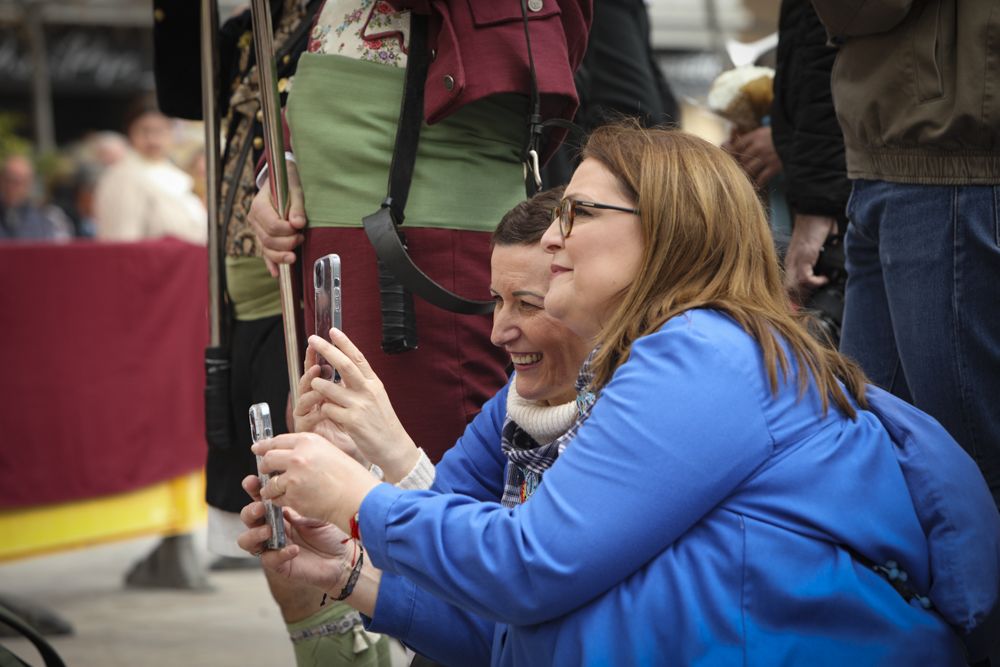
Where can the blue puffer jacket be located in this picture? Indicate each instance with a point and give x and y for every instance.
(696, 519)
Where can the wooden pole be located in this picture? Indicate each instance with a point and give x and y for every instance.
(274, 151)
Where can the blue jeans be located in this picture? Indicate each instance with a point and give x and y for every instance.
(922, 312)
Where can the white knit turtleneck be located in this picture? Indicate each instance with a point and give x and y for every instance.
(544, 423)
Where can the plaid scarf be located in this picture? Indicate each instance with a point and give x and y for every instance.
(527, 460)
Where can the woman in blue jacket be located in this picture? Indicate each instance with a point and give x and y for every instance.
(726, 499)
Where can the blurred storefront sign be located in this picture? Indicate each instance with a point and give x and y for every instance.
(81, 59)
(70, 66)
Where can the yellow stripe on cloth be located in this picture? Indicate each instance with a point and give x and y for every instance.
(170, 507)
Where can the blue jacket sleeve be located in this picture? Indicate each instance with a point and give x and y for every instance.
(474, 466)
(678, 428)
(433, 628)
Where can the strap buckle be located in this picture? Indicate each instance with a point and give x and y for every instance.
(531, 163)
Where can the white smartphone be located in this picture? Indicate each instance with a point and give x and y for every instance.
(260, 429)
(327, 295)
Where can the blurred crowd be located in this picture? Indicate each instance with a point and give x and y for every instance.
(145, 182)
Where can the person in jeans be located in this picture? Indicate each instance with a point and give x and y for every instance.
(912, 86)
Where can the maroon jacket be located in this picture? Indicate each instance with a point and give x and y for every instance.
(478, 49)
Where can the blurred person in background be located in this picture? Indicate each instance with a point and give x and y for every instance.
(20, 216)
(194, 165)
(72, 182)
(144, 195)
(808, 139)
(84, 190)
(743, 95)
(71, 187)
(619, 76)
(108, 147)
(810, 143)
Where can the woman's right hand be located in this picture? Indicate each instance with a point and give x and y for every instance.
(279, 238)
(360, 406)
(309, 418)
(318, 553)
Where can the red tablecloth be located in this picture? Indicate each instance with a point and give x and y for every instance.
(101, 367)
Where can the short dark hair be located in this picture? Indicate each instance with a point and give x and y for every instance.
(139, 107)
(526, 223)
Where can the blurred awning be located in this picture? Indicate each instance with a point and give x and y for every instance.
(695, 25)
(122, 13)
(76, 50)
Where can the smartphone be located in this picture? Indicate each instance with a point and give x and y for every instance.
(327, 294)
(260, 429)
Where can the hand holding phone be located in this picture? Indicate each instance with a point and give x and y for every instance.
(260, 429)
(327, 294)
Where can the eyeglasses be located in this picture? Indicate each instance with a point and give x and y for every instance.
(566, 212)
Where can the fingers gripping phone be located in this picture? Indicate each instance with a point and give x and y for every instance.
(260, 429)
(326, 287)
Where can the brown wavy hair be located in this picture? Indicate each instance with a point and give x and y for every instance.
(706, 244)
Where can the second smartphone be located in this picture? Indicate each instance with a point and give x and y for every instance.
(327, 295)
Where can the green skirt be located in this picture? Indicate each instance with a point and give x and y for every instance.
(343, 115)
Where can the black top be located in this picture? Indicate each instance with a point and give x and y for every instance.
(804, 124)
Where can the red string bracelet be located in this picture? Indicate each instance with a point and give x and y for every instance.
(355, 528)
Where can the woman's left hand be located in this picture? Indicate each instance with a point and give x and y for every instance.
(313, 478)
(317, 553)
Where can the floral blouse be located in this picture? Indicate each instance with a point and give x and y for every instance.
(363, 29)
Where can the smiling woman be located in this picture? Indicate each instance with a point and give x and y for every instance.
(502, 456)
(544, 364)
(545, 354)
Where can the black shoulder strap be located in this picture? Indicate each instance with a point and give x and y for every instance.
(382, 226)
(536, 126)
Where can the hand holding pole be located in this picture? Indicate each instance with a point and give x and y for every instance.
(274, 152)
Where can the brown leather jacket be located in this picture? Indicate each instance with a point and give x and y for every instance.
(916, 86)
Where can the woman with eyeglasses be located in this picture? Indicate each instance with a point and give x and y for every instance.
(725, 496)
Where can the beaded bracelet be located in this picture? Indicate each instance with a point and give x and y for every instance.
(355, 573)
(352, 580)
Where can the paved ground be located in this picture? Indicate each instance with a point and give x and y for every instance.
(235, 625)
